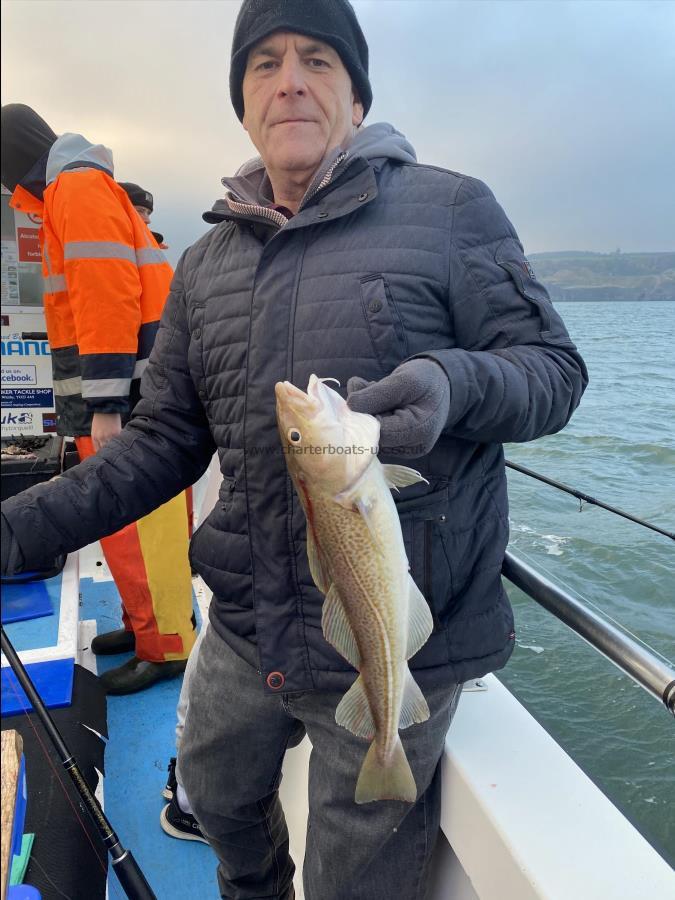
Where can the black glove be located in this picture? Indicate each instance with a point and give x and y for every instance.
(12, 557)
(412, 404)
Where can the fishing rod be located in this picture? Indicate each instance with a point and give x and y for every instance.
(126, 868)
(588, 499)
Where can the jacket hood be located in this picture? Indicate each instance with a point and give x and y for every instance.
(382, 141)
(72, 151)
(26, 141)
(377, 141)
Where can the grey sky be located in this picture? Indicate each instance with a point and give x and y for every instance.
(565, 109)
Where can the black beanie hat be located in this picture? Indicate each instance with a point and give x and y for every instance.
(26, 139)
(138, 195)
(331, 21)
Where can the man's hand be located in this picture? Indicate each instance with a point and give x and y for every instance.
(412, 405)
(104, 427)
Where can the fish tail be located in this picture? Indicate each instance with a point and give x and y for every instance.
(386, 781)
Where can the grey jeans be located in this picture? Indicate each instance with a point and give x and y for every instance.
(230, 761)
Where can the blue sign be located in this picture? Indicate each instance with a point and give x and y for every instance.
(15, 398)
(24, 348)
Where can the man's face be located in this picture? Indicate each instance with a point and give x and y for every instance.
(144, 213)
(298, 101)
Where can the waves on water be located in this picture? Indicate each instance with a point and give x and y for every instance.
(619, 448)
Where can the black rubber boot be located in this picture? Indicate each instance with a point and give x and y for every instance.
(139, 674)
(120, 641)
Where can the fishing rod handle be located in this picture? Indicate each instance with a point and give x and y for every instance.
(131, 878)
(125, 866)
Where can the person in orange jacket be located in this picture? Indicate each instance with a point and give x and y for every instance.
(105, 284)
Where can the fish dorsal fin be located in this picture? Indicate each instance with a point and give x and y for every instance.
(414, 707)
(353, 711)
(401, 476)
(336, 628)
(420, 621)
(316, 567)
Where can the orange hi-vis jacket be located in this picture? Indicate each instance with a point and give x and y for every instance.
(106, 282)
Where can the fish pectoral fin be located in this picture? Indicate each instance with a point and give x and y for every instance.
(352, 499)
(420, 620)
(353, 711)
(316, 567)
(365, 511)
(337, 629)
(414, 708)
(402, 476)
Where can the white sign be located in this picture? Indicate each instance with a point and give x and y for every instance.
(15, 376)
(27, 389)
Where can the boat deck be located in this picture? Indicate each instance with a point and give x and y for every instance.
(140, 744)
(510, 793)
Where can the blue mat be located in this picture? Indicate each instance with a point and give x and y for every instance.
(31, 634)
(23, 892)
(25, 601)
(53, 681)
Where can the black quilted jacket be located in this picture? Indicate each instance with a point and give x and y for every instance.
(387, 259)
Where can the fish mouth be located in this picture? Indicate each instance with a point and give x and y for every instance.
(290, 395)
(324, 396)
(319, 398)
(286, 389)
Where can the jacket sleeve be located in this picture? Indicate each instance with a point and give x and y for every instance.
(514, 373)
(103, 282)
(165, 447)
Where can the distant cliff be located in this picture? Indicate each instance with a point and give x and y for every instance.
(576, 275)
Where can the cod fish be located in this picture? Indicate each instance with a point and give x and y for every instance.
(373, 613)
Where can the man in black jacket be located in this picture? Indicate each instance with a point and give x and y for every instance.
(334, 253)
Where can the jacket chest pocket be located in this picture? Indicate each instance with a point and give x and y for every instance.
(423, 523)
(387, 334)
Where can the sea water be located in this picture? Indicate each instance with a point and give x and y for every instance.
(620, 448)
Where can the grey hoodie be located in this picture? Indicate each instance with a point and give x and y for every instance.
(71, 150)
(251, 185)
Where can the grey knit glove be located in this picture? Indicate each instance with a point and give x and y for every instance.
(412, 404)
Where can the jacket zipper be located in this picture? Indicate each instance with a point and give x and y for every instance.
(249, 209)
(326, 180)
(273, 215)
(428, 593)
(428, 563)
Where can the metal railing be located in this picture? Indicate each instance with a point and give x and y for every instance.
(650, 672)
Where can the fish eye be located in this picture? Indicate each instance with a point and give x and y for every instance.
(294, 436)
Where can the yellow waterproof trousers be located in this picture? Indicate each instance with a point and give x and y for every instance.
(149, 562)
